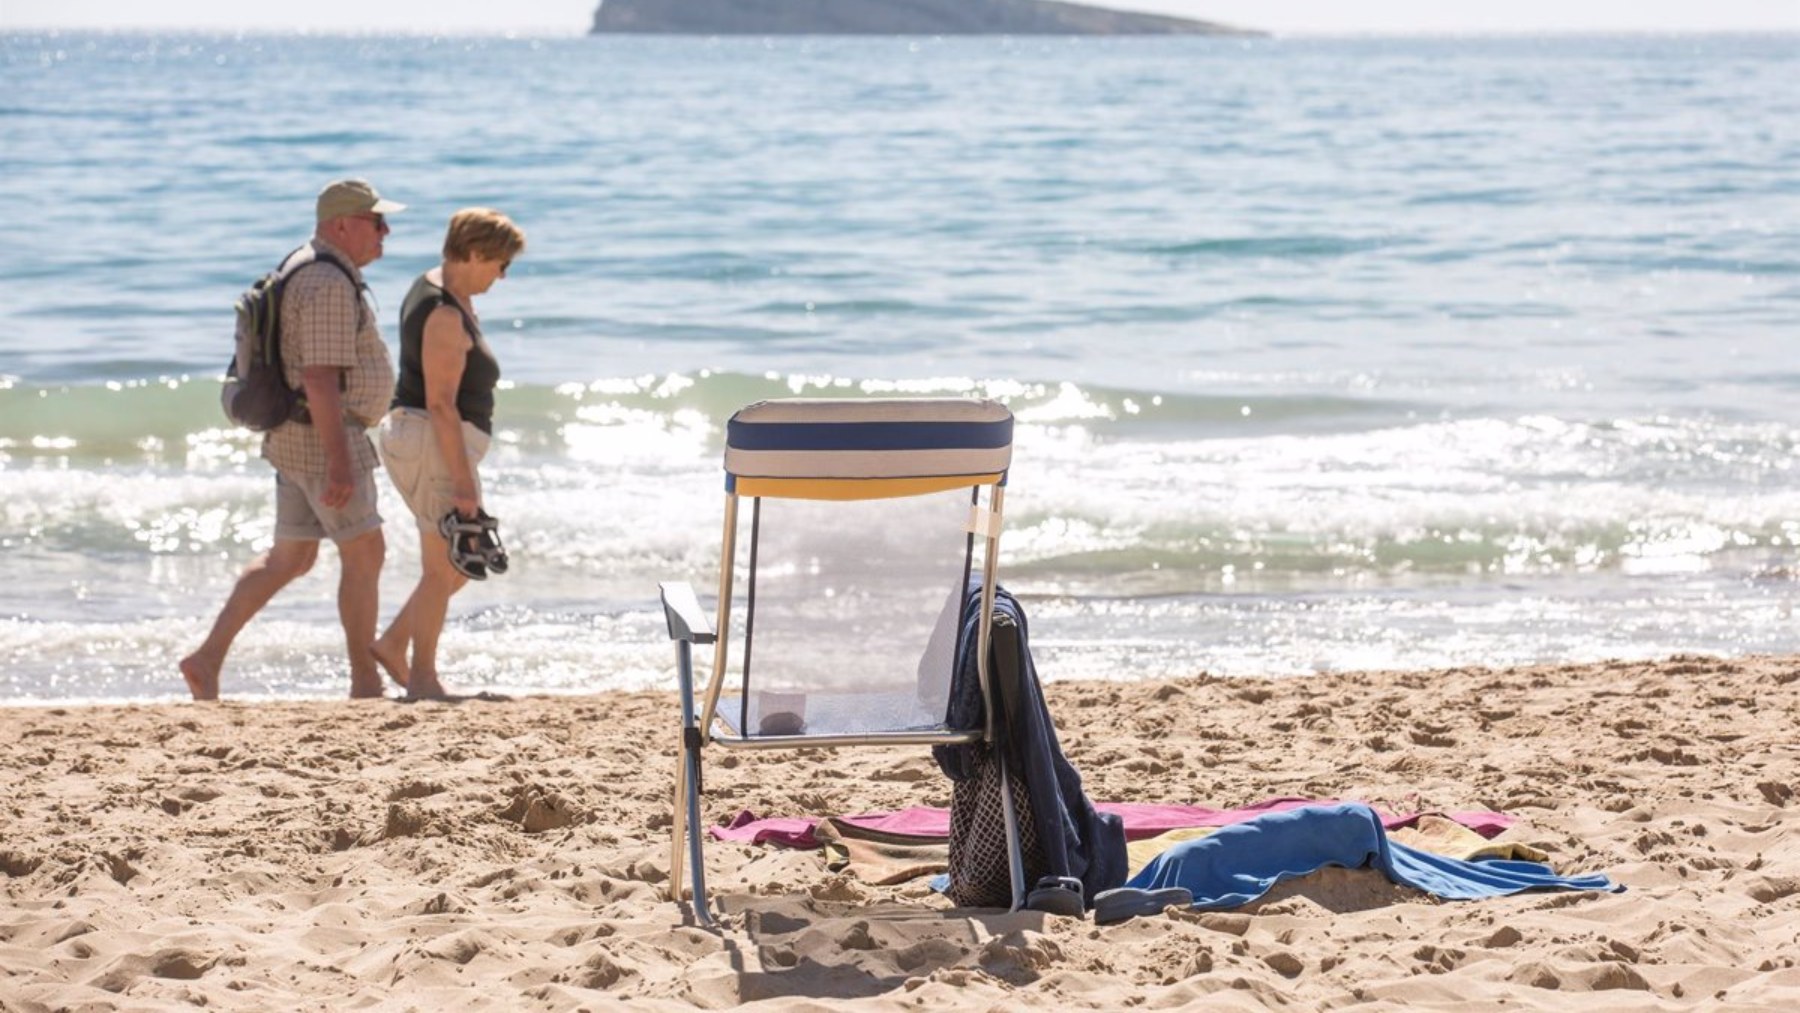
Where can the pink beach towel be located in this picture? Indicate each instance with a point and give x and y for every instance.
(787, 831)
(1142, 820)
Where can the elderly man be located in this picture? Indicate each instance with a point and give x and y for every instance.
(324, 462)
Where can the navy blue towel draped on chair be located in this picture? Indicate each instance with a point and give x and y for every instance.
(1075, 839)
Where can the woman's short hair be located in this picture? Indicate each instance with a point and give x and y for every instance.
(482, 232)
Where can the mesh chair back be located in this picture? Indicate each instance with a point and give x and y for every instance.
(851, 614)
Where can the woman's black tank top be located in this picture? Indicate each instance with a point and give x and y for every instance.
(481, 373)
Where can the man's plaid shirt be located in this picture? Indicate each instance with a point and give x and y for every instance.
(326, 322)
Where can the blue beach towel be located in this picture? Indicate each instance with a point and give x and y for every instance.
(1237, 864)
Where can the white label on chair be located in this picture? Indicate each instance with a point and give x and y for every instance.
(983, 522)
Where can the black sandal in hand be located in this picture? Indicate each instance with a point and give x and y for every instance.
(475, 549)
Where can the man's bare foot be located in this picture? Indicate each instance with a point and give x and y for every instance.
(202, 678)
(393, 663)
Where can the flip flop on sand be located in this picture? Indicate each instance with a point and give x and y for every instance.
(1127, 902)
(1057, 895)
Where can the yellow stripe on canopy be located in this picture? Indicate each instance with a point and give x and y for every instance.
(857, 488)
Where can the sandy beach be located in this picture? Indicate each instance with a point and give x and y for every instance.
(513, 854)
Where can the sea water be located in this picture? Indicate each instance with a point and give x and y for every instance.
(1326, 354)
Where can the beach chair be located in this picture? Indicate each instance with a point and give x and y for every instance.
(854, 570)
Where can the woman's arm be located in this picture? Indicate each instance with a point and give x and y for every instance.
(445, 350)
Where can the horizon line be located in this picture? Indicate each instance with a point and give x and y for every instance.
(541, 33)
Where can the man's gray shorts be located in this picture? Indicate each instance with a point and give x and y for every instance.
(300, 516)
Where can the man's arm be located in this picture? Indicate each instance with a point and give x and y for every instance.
(327, 408)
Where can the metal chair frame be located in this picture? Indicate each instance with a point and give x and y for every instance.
(688, 626)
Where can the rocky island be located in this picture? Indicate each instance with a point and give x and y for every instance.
(886, 17)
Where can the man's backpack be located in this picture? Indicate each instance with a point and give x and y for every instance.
(256, 394)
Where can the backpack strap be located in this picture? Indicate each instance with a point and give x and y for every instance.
(320, 257)
(285, 273)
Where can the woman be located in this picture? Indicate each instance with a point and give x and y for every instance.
(437, 432)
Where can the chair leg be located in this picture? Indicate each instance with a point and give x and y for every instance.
(687, 789)
(1015, 851)
(678, 825)
(696, 837)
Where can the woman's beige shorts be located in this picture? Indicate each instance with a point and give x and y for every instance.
(410, 450)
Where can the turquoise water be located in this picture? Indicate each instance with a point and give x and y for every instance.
(1327, 353)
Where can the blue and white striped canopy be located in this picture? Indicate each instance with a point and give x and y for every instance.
(866, 448)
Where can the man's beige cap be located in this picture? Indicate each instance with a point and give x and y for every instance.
(353, 197)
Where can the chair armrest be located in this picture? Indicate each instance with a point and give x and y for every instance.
(682, 610)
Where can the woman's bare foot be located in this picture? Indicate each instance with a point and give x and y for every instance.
(202, 677)
(370, 689)
(425, 686)
(393, 662)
